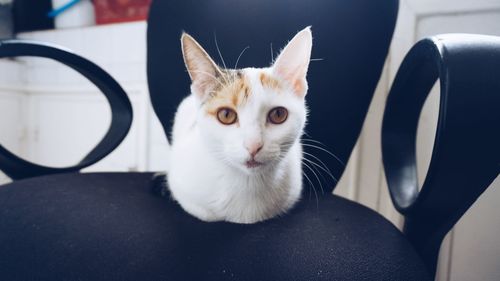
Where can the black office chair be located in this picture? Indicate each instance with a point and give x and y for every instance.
(62, 225)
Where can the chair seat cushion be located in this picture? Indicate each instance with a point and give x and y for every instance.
(110, 226)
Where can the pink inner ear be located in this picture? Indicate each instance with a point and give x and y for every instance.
(300, 87)
(295, 78)
(201, 87)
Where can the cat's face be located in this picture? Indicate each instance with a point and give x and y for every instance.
(249, 118)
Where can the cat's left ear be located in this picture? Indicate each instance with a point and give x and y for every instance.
(293, 62)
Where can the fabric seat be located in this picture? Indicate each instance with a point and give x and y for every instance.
(110, 226)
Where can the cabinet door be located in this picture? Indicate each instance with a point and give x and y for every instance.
(12, 124)
(66, 126)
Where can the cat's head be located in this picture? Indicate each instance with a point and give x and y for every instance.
(249, 118)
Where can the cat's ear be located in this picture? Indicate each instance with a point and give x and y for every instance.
(203, 71)
(293, 61)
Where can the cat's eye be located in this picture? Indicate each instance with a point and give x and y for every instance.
(278, 115)
(227, 116)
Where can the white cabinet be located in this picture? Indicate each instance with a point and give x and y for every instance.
(65, 125)
(52, 115)
(12, 120)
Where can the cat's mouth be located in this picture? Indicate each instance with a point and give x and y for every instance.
(253, 164)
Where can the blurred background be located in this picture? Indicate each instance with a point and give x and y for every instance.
(41, 101)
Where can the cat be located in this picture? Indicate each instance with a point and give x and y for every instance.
(236, 153)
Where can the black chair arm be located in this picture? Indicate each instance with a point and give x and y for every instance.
(466, 154)
(121, 109)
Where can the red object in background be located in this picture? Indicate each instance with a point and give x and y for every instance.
(112, 11)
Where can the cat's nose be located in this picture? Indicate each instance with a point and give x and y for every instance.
(254, 147)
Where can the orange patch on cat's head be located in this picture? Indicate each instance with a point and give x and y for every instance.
(233, 93)
(268, 81)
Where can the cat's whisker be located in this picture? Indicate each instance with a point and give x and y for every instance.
(322, 166)
(325, 150)
(312, 140)
(316, 158)
(322, 169)
(272, 52)
(313, 188)
(315, 168)
(209, 75)
(220, 55)
(315, 141)
(309, 189)
(317, 178)
(238, 60)
(305, 133)
(318, 142)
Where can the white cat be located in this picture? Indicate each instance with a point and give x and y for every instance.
(236, 153)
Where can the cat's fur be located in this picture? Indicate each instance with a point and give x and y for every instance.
(212, 173)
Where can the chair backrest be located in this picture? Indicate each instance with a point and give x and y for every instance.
(351, 41)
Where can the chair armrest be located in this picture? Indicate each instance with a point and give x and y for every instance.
(121, 109)
(466, 154)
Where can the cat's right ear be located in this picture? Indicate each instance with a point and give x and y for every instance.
(204, 73)
(293, 62)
